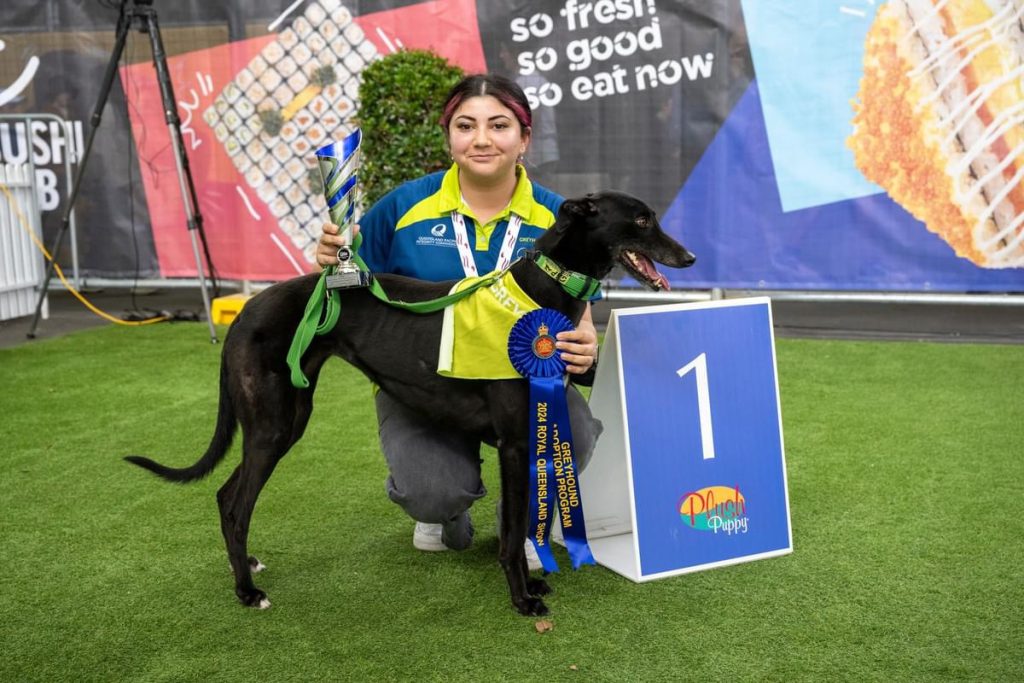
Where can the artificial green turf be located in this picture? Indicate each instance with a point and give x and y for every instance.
(906, 474)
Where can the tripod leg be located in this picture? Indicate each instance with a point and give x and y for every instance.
(180, 158)
(123, 26)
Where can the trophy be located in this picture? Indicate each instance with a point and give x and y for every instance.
(338, 163)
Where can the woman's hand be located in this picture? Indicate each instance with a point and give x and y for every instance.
(579, 346)
(330, 242)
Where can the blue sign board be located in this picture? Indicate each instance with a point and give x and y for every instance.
(690, 472)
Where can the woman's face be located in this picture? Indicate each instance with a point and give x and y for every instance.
(486, 139)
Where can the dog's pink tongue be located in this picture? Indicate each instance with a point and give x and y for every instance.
(647, 266)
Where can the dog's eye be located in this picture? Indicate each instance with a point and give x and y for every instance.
(643, 221)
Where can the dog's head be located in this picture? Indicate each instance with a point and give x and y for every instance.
(594, 232)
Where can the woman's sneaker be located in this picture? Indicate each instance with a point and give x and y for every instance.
(455, 534)
(428, 537)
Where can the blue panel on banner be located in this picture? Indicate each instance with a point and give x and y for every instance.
(706, 490)
(808, 58)
(729, 215)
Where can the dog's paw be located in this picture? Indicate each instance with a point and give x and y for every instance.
(532, 607)
(255, 566)
(255, 598)
(537, 587)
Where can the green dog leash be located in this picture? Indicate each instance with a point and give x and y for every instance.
(324, 306)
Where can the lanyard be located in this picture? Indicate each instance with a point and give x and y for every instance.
(466, 254)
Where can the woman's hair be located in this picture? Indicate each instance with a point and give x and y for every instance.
(504, 90)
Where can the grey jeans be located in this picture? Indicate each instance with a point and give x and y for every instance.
(435, 472)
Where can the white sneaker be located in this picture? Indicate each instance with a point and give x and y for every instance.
(428, 537)
(533, 562)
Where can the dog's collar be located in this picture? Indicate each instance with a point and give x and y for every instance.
(576, 285)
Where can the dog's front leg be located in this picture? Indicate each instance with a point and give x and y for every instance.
(514, 461)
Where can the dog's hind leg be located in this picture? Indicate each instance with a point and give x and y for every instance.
(237, 500)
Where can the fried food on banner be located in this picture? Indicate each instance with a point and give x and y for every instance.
(299, 93)
(939, 121)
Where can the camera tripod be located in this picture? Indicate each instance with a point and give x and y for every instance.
(141, 14)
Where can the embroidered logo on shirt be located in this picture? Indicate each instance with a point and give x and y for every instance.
(438, 230)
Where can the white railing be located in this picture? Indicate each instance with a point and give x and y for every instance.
(21, 262)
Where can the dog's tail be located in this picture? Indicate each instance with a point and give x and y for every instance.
(223, 435)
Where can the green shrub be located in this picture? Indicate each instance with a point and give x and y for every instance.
(401, 98)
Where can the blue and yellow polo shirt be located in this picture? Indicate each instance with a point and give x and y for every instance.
(409, 231)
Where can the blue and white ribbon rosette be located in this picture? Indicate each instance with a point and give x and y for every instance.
(554, 482)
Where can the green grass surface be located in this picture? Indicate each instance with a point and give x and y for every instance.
(906, 475)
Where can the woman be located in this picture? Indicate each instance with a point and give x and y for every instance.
(471, 219)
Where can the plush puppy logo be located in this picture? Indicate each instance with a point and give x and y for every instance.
(718, 509)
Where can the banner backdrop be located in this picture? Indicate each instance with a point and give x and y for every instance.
(789, 145)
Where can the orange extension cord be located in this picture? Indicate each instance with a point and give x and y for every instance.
(60, 273)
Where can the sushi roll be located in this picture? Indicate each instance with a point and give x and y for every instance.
(266, 191)
(281, 151)
(315, 14)
(303, 52)
(258, 66)
(211, 117)
(310, 252)
(317, 136)
(301, 146)
(283, 94)
(340, 47)
(256, 92)
(291, 226)
(353, 62)
(232, 92)
(256, 150)
(242, 162)
(221, 131)
(270, 79)
(314, 43)
(332, 7)
(303, 214)
(287, 66)
(367, 51)
(352, 88)
(273, 52)
(294, 168)
(298, 81)
(232, 120)
(320, 107)
(244, 79)
(295, 194)
(302, 27)
(289, 131)
(329, 30)
(353, 33)
(244, 135)
(332, 93)
(254, 177)
(279, 206)
(288, 39)
(269, 165)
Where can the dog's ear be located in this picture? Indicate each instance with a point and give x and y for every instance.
(581, 206)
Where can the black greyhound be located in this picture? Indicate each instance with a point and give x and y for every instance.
(398, 350)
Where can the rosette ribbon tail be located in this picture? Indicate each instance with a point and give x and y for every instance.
(554, 485)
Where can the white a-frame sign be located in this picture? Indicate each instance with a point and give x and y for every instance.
(690, 472)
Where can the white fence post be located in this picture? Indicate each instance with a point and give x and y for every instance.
(21, 262)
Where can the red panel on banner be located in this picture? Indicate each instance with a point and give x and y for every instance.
(245, 239)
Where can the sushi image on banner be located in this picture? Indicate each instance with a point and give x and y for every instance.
(300, 91)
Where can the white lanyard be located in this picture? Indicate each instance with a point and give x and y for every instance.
(466, 254)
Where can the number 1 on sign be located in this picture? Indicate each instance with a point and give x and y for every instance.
(707, 437)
